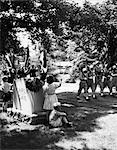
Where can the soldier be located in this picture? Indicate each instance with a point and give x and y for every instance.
(83, 76)
(98, 77)
(114, 79)
(107, 79)
(91, 80)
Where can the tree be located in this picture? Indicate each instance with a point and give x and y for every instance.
(35, 16)
(94, 21)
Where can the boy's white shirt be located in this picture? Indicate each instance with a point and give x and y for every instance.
(52, 114)
(6, 87)
(55, 112)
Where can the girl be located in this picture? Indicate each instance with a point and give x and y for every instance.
(50, 96)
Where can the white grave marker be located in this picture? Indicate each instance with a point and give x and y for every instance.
(24, 98)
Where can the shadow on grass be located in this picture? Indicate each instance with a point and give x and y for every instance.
(82, 114)
(40, 138)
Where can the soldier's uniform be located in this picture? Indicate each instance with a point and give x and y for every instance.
(114, 79)
(107, 80)
(91, 80)
(83, 76)
(98, 78)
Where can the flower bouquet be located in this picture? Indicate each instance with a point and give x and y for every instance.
(34, 84)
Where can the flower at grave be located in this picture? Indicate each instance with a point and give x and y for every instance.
(34, 84)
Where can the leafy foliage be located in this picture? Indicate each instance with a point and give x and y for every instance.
(36, 16)
(81, 25)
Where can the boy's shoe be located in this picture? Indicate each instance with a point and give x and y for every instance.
(102, 94)
(94, 96)
(111, 94)
(87, 98)
(78, 97)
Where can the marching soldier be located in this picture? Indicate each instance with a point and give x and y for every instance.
(91, 80)
(107, 79)
(99, 77)
(83, 76)
(114, 79)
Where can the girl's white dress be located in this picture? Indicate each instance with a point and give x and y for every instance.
(50, 96)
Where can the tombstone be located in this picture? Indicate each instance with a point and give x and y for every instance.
(21, 98)
(26, 101)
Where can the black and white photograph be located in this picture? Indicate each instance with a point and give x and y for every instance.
(58, 74)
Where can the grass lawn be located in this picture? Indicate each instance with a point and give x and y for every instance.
(94, 127)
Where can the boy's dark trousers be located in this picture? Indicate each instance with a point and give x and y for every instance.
(91, 84)
(98, 81)
(82, 85)
(113, 83)
(107, 83)
(6, 99)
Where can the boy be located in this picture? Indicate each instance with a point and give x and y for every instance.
(99, 77)
(107, 79)
(6, 88)
(114, 79)
(83, 83)
(91, 80)
(58, 118)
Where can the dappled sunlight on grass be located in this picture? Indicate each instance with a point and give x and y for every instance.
(94, 126)
(68, 87)
(103, 138)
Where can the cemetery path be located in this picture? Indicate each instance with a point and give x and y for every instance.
(94, 126)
